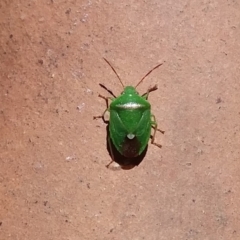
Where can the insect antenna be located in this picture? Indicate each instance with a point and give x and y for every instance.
(101, 85)
(149, 73)
(114, 71)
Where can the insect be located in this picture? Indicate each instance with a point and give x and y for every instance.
(130, 120)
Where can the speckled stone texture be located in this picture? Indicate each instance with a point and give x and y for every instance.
(53, 181)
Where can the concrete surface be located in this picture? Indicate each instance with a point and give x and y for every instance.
(53, 179)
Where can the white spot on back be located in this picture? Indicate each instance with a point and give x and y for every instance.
(130, 136)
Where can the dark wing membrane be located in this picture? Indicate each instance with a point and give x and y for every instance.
(131, 147)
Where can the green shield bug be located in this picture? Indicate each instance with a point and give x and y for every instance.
(130, 120)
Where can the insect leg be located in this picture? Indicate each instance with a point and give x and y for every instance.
(108, 90)
(105, 98)
(150, 89)
(154, 126)
(154, 122)
(102, 116)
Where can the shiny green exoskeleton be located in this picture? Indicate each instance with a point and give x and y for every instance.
(130, 119)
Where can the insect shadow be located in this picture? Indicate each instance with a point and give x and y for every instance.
(124, 162)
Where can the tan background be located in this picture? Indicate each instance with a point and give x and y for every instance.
(53, 180)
